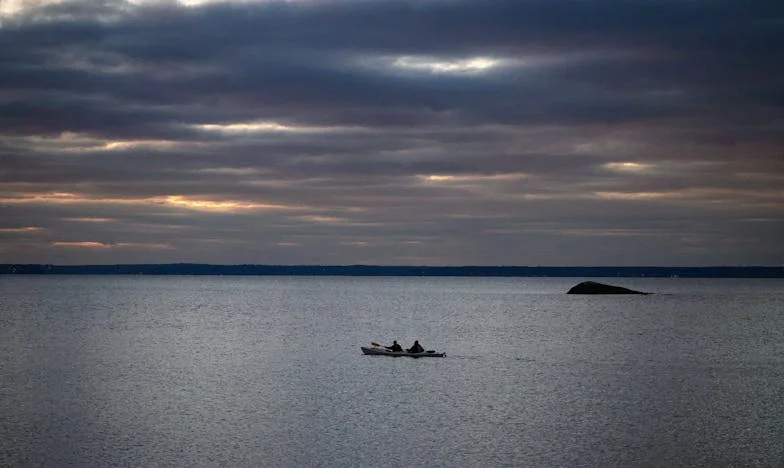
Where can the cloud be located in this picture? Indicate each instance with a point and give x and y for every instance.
(441, 132)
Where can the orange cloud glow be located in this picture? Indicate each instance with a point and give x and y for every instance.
(22, 229)
(118, 245)
(178, 201)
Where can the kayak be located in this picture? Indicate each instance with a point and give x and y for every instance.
(378, 351)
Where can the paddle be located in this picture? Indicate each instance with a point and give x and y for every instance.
(375, 344)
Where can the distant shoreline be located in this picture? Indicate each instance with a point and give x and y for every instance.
(192, 269)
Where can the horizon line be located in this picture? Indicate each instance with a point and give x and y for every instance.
(371, 265)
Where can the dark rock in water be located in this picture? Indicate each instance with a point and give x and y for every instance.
(592, 287)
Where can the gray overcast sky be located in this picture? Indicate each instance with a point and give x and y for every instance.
(427, 132)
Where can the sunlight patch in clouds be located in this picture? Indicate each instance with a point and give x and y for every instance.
(74, 142)
(628, 167)
(636, 195)
(729, 197)
(438, 178)
(116, 245)
(64, 198)
(321, 219)
(9, 8)
(177, 201)
(83, 244)
(89, 220)
(265, 126)
(436, 65)
(21, 229)
(139, 144)
(462, 179)
(42, 11)
(230, 171)
(220, 205)
(38, 11)
(65, 142)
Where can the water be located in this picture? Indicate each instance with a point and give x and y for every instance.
(267, 371)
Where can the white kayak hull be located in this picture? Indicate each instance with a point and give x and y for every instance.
(377, 351)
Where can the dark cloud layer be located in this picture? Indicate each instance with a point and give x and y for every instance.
(393, 132)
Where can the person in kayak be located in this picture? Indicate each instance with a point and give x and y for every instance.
(416, 348)
(395, 346)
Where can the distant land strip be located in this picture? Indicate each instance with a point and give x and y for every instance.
(379, 270)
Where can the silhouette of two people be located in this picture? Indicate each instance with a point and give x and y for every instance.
(415, 348)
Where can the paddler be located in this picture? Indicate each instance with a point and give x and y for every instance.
(416, 348)
(394, 347)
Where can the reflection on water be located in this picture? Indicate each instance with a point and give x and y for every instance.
(155, 371)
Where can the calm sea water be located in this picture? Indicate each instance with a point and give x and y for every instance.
(267, 371)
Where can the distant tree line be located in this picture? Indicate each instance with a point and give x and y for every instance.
(378, 270)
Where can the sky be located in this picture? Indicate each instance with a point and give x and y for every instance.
(427, 132)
